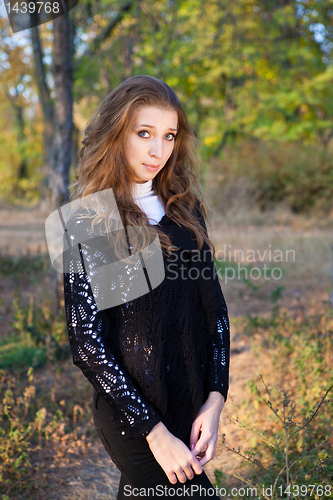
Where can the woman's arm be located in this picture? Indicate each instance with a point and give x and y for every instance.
(205, 427)
(204, 431)
(92, 352)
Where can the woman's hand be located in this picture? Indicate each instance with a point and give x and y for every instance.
(207, 424)
(172, 454)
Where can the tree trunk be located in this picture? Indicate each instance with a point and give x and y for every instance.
(221, 144)
(61, 154)
(47, 107)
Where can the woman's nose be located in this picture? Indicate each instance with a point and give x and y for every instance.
(156, 149)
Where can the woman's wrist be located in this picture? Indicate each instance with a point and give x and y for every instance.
(217, 399)
(156, 432)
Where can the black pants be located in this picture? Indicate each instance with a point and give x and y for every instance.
(141, 474)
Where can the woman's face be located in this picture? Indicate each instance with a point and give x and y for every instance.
(151, 141)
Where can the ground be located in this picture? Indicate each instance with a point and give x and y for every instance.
(303, 283)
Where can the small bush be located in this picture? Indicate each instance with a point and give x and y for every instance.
(22, 265)
(16, 430)
(289, 406)
(264, 174)
(42, 335)
(20, 354)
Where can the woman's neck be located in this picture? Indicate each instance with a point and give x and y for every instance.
(141, 189)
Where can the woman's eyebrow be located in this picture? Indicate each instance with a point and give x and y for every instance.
(152, 126)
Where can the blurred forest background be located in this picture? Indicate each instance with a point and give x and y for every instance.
(256, 80)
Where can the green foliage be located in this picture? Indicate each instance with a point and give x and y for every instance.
(42, 336)
(16, 430)
(16, 266)
(242, 69)
(18, 353)
(229, 270)
(276, 293)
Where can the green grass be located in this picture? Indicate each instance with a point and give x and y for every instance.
(27, 265)
(16, 353)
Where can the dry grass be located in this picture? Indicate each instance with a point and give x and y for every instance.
(88, 473)
(312, 248)
(84, 478)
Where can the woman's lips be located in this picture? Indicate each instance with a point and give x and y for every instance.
(153, 168)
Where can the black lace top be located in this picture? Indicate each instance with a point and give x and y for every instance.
(157, 357)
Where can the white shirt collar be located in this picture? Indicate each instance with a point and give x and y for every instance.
(140, 190)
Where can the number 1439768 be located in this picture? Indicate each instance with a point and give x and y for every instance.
(25, 7)
(307, 490)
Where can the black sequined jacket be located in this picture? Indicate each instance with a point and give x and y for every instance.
(155, 358)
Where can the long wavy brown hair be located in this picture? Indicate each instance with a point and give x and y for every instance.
(102, 162)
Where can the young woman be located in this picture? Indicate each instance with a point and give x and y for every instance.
(159, 363)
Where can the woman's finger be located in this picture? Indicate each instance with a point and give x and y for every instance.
(209, 453)
(189, 473)
(200, 446)
(195, 433)
(171, 477)
(196, 466)
(181, 475)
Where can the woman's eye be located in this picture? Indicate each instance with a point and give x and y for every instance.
(143, 132)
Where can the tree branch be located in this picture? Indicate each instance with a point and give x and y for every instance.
(43, 90)
(91, 51)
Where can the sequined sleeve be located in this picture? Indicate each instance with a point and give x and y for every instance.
(218, 367)
(92, 334)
